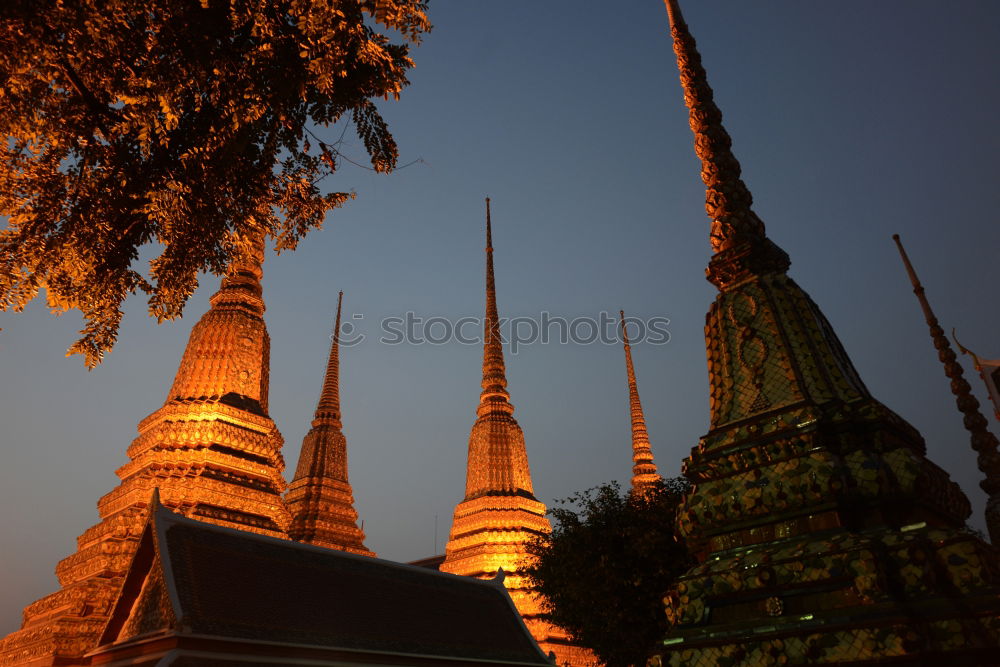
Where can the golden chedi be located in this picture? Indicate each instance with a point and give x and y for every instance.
(211, 450)
(824, 534)
(320, 498)
(500, 515)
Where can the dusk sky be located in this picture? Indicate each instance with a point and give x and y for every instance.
(852, 120)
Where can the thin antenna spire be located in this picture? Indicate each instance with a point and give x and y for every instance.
(494, 396)
(983, 441)
(329, 400)
(643, 468)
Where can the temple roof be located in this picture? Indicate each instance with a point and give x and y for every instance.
(197, 581)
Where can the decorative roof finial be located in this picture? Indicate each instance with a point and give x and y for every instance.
(494, 397)
(983, 441)
(643, 468)
(989, 371)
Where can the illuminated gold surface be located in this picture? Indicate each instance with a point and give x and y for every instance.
(320, 498)
(500, 514)
(643, 469)
(211, 450)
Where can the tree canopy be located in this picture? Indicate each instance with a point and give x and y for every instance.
(604, 569)
(183, 123)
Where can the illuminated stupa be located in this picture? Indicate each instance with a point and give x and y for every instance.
(824, 535)
(500, 514)
(643, 469)
(213, 452)
(320, 498)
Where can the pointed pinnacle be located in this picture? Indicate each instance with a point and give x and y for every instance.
(983, 441)
(494, 396)
(643, 468)
(489, 228)
(727, 199)
(328, 409)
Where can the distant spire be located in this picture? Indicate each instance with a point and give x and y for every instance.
(643, 468)
(329, 399)
(983, 441)
(320, 497)
(494, 397)
(498, 461)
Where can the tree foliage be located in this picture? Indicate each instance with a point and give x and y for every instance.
(606, 566)
(177, 122)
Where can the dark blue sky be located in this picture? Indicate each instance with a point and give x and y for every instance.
(853, 120)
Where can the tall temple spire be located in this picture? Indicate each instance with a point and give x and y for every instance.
(494, 396)
(643, 469)
(498, 463)
(983, 441)
(801, 459)
(727, 199)
(499, 515)
(737, 234)
(328, 408)
(320, 497)
(212, 452)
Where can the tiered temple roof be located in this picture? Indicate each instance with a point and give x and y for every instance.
(823, 532)
(211, 450)
(320, 498)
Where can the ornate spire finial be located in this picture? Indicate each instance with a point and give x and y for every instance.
(983, 441)
(329, 400)
(643, 468)
(728, 200)
(499, 515)
(494, 397)
(738, 238)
